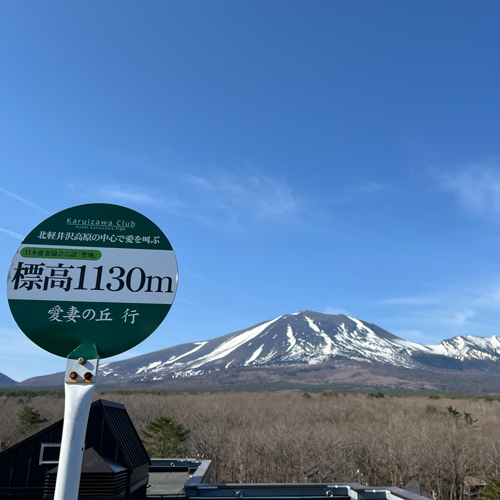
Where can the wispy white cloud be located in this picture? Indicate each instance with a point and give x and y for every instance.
(177, 299)
(416, 336)
(230, 289)
(221, 200)
(253, 196)
(141, 196)
(489, 298)
(432, 325)
(461, 317)
(450, 312)
(448, 307)
(129, 195)
(11, 233)
(413, 300)
(477, 188)
(24, 200)
(451, 320)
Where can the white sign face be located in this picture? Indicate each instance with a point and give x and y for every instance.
(118, 275)
(93, 274)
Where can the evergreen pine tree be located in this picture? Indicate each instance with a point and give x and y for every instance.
(30, 419)
(163, 438)
(492, 489)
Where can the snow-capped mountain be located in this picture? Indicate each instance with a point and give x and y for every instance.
(470, 347)
(303, 338)
(293, 339)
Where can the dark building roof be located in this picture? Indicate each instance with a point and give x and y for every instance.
(114, 455)
(199, 487)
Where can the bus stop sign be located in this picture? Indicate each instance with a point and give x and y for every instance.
(92, 277)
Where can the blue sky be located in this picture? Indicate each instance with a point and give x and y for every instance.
(339, 156)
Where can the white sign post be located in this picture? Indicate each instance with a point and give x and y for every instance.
(88, 283)
(79, 386)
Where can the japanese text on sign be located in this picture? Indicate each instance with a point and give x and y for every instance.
(42, 277)
(72, 314)
(112, 238)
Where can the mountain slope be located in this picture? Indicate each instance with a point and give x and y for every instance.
(6, 381)
(294, 339)
(305, 338)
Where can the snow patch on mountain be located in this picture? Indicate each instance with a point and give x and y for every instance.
(175, 359)
(312, 325)
(149, 367)
(291, 339)
(255, 355)
(231, 345)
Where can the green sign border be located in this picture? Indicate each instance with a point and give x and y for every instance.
(95, 226)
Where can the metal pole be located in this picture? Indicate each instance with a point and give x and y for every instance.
(79, 386)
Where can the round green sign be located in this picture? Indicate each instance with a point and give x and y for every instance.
(92, 279)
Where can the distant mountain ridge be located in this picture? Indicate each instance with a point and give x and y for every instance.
(305, 338)
(7, 381)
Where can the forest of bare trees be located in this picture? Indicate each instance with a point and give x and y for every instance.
(295, 437)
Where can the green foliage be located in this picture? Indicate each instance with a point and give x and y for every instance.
(492, 489)
(164, 438)
(490, 399)
(434, 396)
(30, 419)
(469, 421)
(306, 395)
(464, 418)
(378, 395)
(330, 393)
